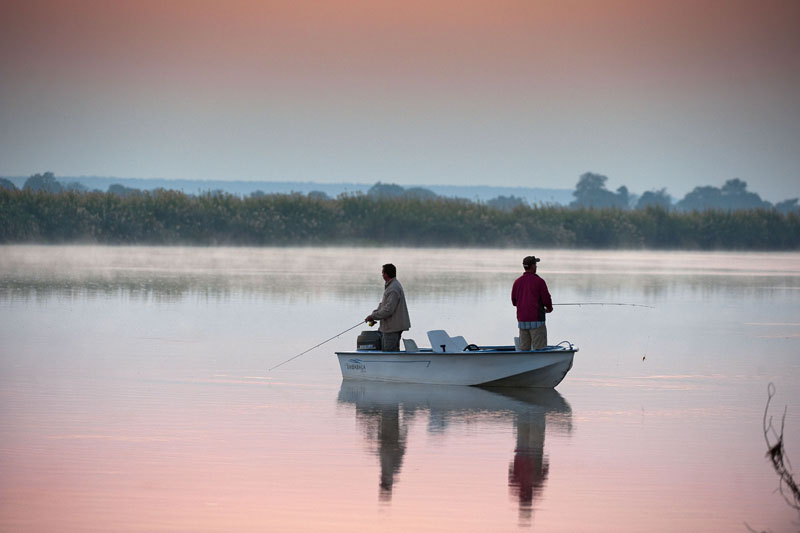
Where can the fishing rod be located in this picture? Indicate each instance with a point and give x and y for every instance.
(608, 303)
(316, 346)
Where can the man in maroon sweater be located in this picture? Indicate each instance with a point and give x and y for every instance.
(532, 300)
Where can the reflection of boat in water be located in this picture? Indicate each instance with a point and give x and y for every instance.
(451, 361)
(386, 411)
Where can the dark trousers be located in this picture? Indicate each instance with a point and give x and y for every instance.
(391, 341)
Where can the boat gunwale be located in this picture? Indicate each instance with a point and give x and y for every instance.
(482, 350)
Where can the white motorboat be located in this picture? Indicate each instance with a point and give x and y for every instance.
(452, 361)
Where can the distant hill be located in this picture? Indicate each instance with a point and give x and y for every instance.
(533, 195)
(483, 193)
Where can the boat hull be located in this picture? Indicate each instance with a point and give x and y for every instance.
(488, 367)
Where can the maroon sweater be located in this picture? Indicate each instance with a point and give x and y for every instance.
(531, 298)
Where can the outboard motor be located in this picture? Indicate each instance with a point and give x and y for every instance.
(369, 341)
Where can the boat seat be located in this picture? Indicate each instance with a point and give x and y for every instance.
(459, 343)
(411, 345)
(439, 339)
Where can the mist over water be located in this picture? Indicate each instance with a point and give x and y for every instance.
(135, 392)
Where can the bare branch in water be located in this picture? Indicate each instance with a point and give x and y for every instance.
(777, 456)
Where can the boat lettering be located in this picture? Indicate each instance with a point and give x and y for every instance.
(356, 364)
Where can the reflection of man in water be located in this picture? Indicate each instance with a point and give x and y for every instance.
(385, 411)
(383, 427)
(391, 449)
(527, 474)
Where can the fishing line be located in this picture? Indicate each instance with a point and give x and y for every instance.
(647, 340)
(316, 346)
(608, 303)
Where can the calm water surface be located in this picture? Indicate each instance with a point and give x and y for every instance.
(135, 393)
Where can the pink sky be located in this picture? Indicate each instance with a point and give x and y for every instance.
(527, 93)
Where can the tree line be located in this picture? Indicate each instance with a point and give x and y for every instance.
(217, 218)
(590, 192)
